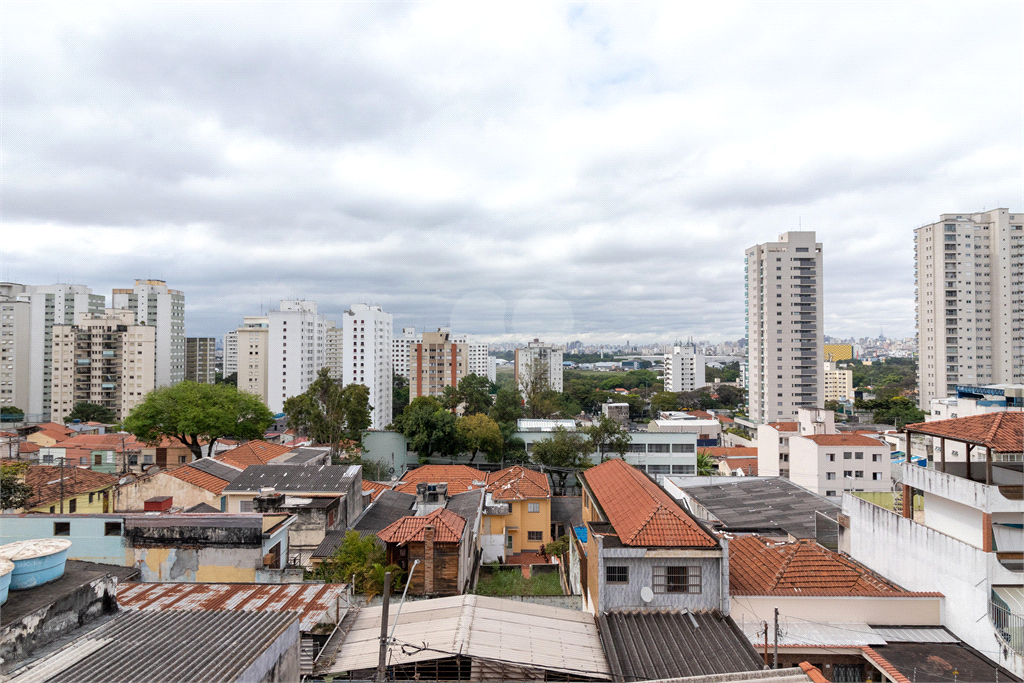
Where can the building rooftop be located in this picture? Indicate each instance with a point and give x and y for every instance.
(389, 507)
(315, 603)
(529, 425)
(785, 426)
(730, 451)
(375, 488)
(1002, 432)
(302, 478)
(459, 478)
(448, 528)
(466, 505)
(766, 505)
(206, 473)
(936, 662)
(518, 483)
(642, 645)
(77, 573)
(521, 634)
(163, 646)
(640, 511)
(757, 566)
(253, 453)
(47, 482)
(844, 440)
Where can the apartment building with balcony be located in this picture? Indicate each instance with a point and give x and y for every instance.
(538, 366)
(684, 369)
(157, 306)
(366, 357)
(105, 359)
(253, 353)
(838, 382)
(436, 362)
(201, 359)
(969, 285)
(784, 304)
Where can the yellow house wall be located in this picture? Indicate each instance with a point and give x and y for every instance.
(525, 521)
(82, 507)
(41, 439)
(209, 565)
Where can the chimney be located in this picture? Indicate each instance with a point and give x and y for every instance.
(268, 500)
(428, 559)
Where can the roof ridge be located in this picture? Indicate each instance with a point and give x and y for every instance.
(791, 551)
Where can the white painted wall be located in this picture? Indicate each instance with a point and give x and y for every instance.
(868, 610)
(962, 522)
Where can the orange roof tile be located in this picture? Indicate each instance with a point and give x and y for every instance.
(375, 488)
(882, 663)
(640, 511)
(460, 478)
(28, 447)
(200, 478)
(813, 673)
(748, 465)
(702, 414)
(1002, 432)
(51, 433)
(843, 440)
(102, 441)
(759, 567)
(785, 426)
(253, 453)
(729, 451)
(448, 528)
(518, 483)
(45, 481)
(54, 427)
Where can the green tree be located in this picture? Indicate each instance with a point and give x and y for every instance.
(641, 378)
(565, 450)
(665, 401)
(513, 448)
(231, 379)
(193, 412)
(14, 492)
(399, 394)
(90, 412)
(730, 396)
(898, 411)
(362, 558)
(480, 434)
(608, 432)
(450, 398)
(429, 428)
(475, 392)
(11, 414)
(706, 465)
(329, 412)
(508, 405)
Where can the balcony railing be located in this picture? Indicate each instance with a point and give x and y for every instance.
(1009, 625)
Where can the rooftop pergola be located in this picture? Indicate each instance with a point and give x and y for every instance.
(1000, 433)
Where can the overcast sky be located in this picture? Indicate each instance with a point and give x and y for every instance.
(565, 171)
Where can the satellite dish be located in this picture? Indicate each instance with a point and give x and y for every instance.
(646, 594)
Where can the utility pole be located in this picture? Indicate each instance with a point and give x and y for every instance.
(382, 662)
(766, 644)
(62, 484)
(776, 666)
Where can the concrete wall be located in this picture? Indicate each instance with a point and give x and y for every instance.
(922, 559)
(389, 448)
(868, 610)
(206, 565)
(133, 495)
(769, 449)
(279, 663)
(953, 519)
(88, 537)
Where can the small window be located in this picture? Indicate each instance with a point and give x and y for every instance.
(859, 455)
(112, 529)
(876, 457)
(847, 455)
(533, 507)
(73, 505)
(830, 476)
(62, 528)
(534, 535)
(831, 457)
(616, 574)
(91, 495)
(659, 469)
(847, 474)
(859, 474)
(675, 579)
(245, 506)
(830, 493)
(181, 459)
(876, 476)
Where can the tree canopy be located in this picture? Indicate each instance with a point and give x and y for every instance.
(508, 405)
(897, 410)
(193, 413)
(429, 428)
(329, 412)
(606, 432)
(91, 412)
(362, 558)
(14, 492)
(480, 433)
(565, 451)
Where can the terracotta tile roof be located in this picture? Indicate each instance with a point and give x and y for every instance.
(448, 528)
(54, 427)
(759, 567)
(253, 453)
(785, 426)
(460, 478)
(748, 465)
(51, 433)
(28, 447)
(102, 441)
(1002, 432)
(640, 511)
(518, 483)
(729, 451)
(843, 440)
(45, 483)
(200, 478)
(375, 488)
(813, 673)
(702, 414)
(883, 664)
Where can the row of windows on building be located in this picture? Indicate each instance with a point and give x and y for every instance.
(667, 578)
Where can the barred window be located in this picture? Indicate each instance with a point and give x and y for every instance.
(616, 574)
(677, 579)
(534, 535)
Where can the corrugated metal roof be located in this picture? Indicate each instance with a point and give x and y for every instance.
(164, 646)
(316, 603)
(218, 469)
(519, 633)
(915, 634)
(303, 478)
(672, 644)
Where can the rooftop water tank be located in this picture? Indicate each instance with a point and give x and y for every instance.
(36, 562)
(6, 567)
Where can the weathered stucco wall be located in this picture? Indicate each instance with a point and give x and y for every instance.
(208, 565)
(132, 496)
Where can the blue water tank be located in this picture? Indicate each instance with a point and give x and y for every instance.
(6, 567)
(36, 562)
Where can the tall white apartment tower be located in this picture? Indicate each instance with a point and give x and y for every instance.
(539, 362)
(367, 349)
(401, 347)
(15, 346)
(784, 305)
(163, 309)
(970, 302)
(684, 369)
(479, 360)
(297, 340)
(230, 352)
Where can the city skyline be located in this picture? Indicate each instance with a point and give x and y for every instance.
(597, 177)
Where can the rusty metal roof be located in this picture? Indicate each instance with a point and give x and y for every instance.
(316, 603)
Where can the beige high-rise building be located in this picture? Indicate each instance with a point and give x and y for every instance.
(15, 346)
(970, 289)
(838, 382)
(436, 362)
(785, 335)
(253, 354)
(201, 359)
(105, 359)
